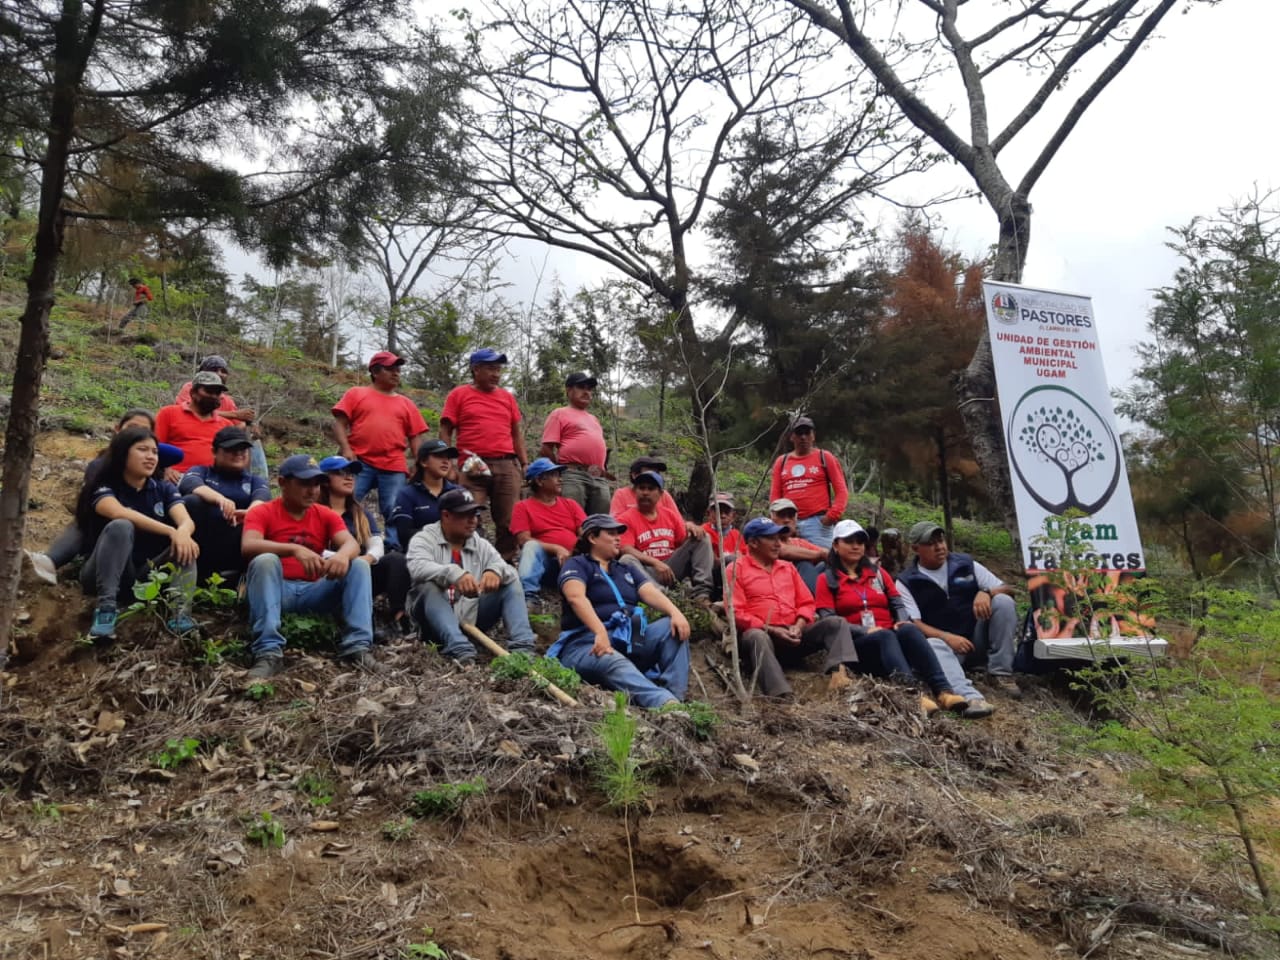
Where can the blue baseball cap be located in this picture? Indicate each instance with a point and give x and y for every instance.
(760, 527)
(541, 467)
(487, 355)
(335, 463)
(300, 466)
(649, 477)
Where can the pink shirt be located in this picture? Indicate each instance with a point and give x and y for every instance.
(579, 435)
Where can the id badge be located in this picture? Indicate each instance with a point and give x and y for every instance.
(868, 619)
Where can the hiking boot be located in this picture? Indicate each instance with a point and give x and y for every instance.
(928, 705)
(1006, 685)
(365, 661)
(104, 623)
(182, 625)
(977, 710)
(840, 680)
(266, 666)
(43, 566)
(952, 701)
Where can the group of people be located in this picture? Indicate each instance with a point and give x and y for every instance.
(178, 488)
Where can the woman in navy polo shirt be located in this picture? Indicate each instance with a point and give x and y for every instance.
(131, 523)
(417, 503)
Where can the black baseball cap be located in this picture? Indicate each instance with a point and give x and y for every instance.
(231, 438)
(459, 500)
(580, 380)
(436, 448)
(647, 464)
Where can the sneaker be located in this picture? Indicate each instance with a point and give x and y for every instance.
(1007, 686)
(977, 710)
(266, 666)
(365, 661)
(929, 706)
(181, 625)
(840, 680)
(104, 623)
(43, 566)
(952, 701)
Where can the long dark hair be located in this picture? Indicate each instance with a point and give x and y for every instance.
(111, 472)
(353, 511)
(835, 563)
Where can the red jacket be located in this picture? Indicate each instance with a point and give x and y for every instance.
(872, 587)
(776, 597)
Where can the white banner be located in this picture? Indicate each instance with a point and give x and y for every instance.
(1059, 424)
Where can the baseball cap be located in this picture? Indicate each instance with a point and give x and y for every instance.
(890, 532)
(648, 476)
(782, 503)
(848, 528)
(436, 448)
(602, 521)
(487, 355)
(169, 455)
(215, 362)
(231, 438)
(459, 500)
(799, 422)
(580, 380)
(300, 466)
(541, 467)
(923, 532)
(724, 500)
(760, 527)
(335, 463)
(209, 379)
(385, 358)
(641, 464)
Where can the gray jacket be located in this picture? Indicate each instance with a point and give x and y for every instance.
(430, 561)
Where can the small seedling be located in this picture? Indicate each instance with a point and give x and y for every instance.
(260, 691)
(701, 714)
(427, 950)
(540, 670)
(175, 753)
(45, 810)
(265, 831)
(445, 800)
(398, 830)
(619, 772)
(307, 631)
(317, 788)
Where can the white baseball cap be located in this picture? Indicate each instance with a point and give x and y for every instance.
(845, 529)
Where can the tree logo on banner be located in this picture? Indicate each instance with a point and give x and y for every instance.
(1005, 308)
(1063, 451)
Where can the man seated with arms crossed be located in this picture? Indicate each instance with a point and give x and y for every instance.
(809, 558)
(774, 612)
(955, 600)
(667, 546)
(546, 526)
(459, 577)
(217, 497)
(300, 559)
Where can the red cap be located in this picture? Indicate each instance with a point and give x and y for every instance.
(385, 358)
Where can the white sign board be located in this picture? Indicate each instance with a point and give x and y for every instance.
(1059, 424)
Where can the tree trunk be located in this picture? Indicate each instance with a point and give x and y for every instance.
(944, 483)
(33, 340)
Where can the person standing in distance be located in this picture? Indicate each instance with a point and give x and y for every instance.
(482, 418)
(814, 480)
(573, 438)
(373, 425)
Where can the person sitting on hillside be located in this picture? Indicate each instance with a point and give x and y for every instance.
(193, 425)
(624, 498)
(302, 559)
(418, 503)
(390, 570)
(573, 437)
(604, 634)
(133, 523)
(546, 527)
(774, 613)
(888, 644)
(807, 557)
(724, 537)
(217, 497)
(69, 542)
(373, 425)
(215, 363)
(812, 479)
(953, 598)
(459, 577)
(142, 296)
(669, 547)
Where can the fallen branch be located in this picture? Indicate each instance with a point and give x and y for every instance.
(480, 637)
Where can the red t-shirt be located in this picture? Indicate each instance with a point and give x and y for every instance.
(658, 537)
(733, 542)
(184, 397)
(814, 482)
(579, 435)
(315, 531)
(182, 428)
(624, 499)
(556, 523)
(483, 419)
(381, 426)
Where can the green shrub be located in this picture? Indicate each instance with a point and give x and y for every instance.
(445, 800)
(540, 670)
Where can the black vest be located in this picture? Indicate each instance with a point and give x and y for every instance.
(951, 611)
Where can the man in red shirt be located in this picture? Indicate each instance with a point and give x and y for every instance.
(573, 437)
(227, 406)
(545, 525)
(624, 498)
(774, 613)
(300, 555)
(192, 426)
(482, 418)
(814, 481)
(809, 558)
(141, 297)
(669, 547)
(373, 425)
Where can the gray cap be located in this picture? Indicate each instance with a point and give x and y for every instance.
(923, 532)
(208, 379)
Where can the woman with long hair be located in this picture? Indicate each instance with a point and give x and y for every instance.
(132, 523)
(888, 645)
(603, 632)
(389, 569)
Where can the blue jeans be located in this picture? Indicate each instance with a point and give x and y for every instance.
(435, 614)
(995, 640)
(815, 531)
(389, 484)
(900, 654)
(656, 672)
(538, 569)
(270, 595)
(950, 664)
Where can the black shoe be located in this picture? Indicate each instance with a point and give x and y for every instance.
(266, 666)
(405, 628)
(365, 660)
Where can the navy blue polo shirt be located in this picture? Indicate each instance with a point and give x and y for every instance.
(586, 569)
(241, 488)
(415, 507)
(155, 499)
